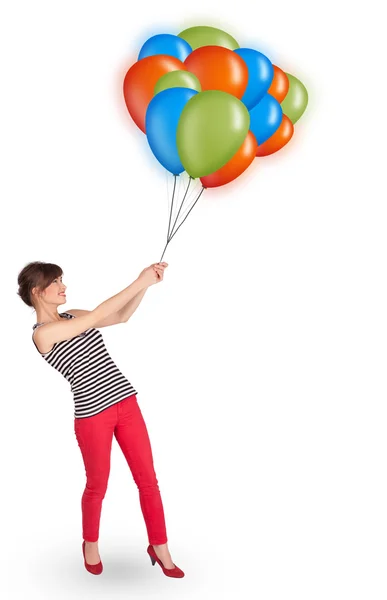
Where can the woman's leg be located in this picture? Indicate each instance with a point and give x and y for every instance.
(132, 436)
(94, 435)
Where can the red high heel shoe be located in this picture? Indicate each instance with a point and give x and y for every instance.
(175, 572)
(95, 569)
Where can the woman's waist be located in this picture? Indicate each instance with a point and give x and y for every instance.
(99, 383)
(93, 374)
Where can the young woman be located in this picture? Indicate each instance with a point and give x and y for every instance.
(105, 402)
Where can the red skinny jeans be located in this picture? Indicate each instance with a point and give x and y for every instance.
(94, 435)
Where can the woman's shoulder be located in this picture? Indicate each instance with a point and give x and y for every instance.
(65, 315)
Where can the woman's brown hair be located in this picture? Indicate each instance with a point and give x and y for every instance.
(36, 274)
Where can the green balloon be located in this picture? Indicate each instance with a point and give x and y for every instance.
(208, 36)
(177, 79)
(211, 128)
(296, 100)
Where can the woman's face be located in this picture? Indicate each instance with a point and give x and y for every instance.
(55, 292)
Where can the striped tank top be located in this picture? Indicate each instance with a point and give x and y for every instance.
(96, 382)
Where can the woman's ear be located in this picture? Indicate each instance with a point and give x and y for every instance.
(35, 292)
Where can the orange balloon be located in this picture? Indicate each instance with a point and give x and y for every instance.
(219, 68)
(278, 140)
(235, 166)
(140, 81)
(280, 85)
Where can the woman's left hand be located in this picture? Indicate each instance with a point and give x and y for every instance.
(159, 269)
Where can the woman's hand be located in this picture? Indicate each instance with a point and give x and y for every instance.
(153, 274)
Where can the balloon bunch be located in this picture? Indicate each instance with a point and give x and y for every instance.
(209, 107)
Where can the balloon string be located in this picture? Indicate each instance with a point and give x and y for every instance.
(190, 197)
(171, 211)
(181, 205)
(201, 191)
(173, 196)
(175, 232)
(193, 190)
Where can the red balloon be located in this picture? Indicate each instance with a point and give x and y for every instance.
(140, 81)
(280, 85)
(219, 68)
(278, 140)
(235, 166)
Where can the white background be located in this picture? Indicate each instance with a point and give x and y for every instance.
(259, 360)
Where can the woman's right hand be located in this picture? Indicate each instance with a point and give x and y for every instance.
(153, 274)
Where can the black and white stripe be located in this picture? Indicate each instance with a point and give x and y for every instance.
(96, 381)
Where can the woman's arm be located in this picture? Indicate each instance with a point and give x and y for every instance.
(65, 329)
(127, 311)
(121, 316)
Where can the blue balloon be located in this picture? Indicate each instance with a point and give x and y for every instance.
(261, 73)
(265, 118)
(165, 43)
(161, 120)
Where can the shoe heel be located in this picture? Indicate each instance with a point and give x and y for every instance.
(153, 561)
